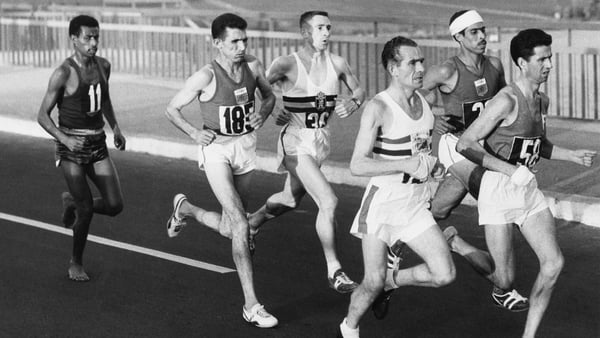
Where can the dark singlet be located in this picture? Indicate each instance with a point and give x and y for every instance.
(519, 143)
(468, 98)
(228, 111)
(83, 108)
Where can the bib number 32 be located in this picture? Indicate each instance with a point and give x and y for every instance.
(234, 120)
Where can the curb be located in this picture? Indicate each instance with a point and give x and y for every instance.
(570, 207)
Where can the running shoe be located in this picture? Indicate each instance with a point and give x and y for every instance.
(175, 223)
(381, 304)
(341, 282)
(510, 300)
(259, 317)
(395, 256)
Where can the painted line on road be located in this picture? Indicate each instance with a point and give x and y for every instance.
(119, 245)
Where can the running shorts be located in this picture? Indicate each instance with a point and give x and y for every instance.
(94, 147)
(239, 152)
(502, 202)
(296, 141)
(393, 211)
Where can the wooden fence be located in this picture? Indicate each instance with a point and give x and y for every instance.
(177, 52)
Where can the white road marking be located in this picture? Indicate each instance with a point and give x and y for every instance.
(117, 244)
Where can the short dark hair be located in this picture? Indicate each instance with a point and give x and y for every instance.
(79, 21)
(306, 16)
(390, 50)
(523, 44)
(224, 21)
(456, 15)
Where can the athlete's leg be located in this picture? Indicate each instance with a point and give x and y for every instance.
(104, 175)
(305, 168)
(438, 268)
(448, 196)
(75, 176)
(540, 232)
(279, 203)
(464, 176)
(499, 240)
(222, 184)
(374, 256)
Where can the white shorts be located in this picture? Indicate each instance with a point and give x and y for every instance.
(502, 202)
(393, 212)
(303, 141)
(447, 153)
(239, 152)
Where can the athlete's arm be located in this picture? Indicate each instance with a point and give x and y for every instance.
(497, 110)
(276, 75)
(362, 162)
(266, 94)
(439, 76)
(348, 107)
(56, 86)
(107, 108)
(192, 88)
(550, 151)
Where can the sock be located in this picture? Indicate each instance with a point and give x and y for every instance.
(346, 330)
(332, 267)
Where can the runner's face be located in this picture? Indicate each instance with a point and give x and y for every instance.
(233, 45)
(474, 39)
(539, 64)
(320, 30)
(411, 69)
(87, 41)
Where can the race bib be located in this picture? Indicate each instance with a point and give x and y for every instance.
(525, 151)
(234, 120)
(318, 118)
(471, 111)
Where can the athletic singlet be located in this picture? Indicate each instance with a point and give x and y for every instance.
(83, 108)
(468, 98)
(228, 111)
(311, 105)
(519, 143)
(404, 137)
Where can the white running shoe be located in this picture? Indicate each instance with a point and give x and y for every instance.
(259, 317)
(176, 223)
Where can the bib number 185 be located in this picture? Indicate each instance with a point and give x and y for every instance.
(234, 120)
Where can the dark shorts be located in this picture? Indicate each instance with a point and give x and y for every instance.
(94, 150)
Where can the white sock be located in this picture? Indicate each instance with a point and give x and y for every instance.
(347, 331)
(332, 267)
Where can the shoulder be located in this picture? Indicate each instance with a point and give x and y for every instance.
(200, 79)
(496, 63)
(61, 74)
(545, 99)
(504, 101)
(340, 63)
(254, 64)
(284, 63)
(376, 108)
(102, 62)
(442, 72)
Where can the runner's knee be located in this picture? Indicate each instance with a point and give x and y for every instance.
(115, 208)
(328, 204)
(373, 283)
(443, 276)
(551, 268)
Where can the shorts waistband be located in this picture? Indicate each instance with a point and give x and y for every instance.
(81, 132)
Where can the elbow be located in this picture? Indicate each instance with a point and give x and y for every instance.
(462, 145)
(356, 168)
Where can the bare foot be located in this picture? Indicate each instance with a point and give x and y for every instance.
(68, 216)
(76, 273)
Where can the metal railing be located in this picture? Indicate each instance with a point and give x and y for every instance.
(177, 52)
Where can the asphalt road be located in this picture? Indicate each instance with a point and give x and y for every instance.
(135, 295)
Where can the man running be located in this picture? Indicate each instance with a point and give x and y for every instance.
(79, 88)
(225, 89)
(310, 82)
(512, 129)
(393, 147)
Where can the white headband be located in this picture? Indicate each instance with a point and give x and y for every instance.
(465, 20)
